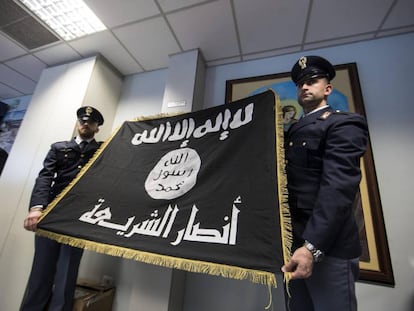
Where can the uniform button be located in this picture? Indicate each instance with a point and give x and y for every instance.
(304, 143)
(291, 143)
(79, 166)
(82, 155)
(66, 155)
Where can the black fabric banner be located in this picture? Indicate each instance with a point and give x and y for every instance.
(202, 191)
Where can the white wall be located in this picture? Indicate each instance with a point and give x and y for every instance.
(141, 95)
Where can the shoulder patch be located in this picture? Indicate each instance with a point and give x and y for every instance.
(341, 112)
(61, 145)
(63, 142)
(325, 115)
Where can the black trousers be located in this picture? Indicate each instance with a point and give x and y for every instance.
(330, 287)
(52, 280)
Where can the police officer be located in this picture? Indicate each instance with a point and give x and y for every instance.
(52, 280)
(323, 151)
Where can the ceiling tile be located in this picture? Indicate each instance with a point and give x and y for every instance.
(16, 80)
(10, 12)
(22, 27)
(7, 92)
(263, 26)
(318, 45)
(30, 33)
(114, 13)
(57, 54)
(209, 27)
(108, 46)
(272, 53)
(338, 18)
(223, 61)
(171, 5)
(149, 48)
(393, 32)
(9, 49)
(401, 15)
(28, 65)
(143, 34)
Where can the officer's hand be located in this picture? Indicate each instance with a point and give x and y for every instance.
(30, 223)
(300, 265)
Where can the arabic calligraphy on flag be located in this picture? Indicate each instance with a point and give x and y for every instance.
(202, 191)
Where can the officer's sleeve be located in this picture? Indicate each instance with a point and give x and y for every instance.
(41, 189)
(346, 142)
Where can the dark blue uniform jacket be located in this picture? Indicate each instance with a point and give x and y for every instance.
(323, 152)
(62, 163)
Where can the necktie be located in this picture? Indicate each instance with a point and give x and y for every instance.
(82, 145)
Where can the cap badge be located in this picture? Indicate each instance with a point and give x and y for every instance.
(88, 111)
(302, 62)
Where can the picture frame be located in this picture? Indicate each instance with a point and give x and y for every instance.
(375, 262)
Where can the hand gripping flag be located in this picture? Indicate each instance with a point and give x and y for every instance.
(202, 192)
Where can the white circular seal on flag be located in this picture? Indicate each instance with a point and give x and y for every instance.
(174, 175)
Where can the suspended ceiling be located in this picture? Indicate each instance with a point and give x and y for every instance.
(141, 34)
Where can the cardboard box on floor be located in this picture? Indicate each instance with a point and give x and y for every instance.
(90, 296)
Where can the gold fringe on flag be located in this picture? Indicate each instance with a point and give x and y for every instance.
(189, 265)
(285, 222)
(238, 273)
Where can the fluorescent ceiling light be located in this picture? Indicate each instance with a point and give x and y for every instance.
(70, 19)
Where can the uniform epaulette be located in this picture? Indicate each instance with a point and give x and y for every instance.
(325, 115)
(63, 142)
(340, 112)
(328, 113)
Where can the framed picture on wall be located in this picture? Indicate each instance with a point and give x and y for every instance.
(12, 112)
(375, 262)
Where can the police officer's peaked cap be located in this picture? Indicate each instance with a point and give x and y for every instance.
(309, 67)
(90, 113)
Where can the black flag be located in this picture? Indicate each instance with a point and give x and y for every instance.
(202, 191)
